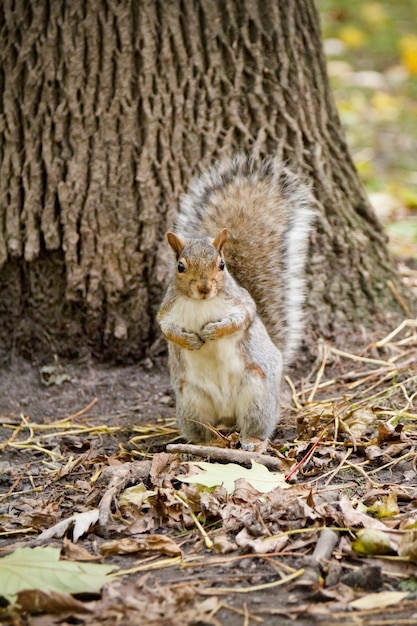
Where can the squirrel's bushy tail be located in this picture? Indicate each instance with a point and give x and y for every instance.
(267, 210)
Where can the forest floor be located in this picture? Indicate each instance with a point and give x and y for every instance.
(335, 543)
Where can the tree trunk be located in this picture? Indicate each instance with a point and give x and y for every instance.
(108, 109)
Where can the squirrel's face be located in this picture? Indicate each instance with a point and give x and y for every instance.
(200, 270)
(200, 276)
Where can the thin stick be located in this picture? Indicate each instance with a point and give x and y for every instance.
(362, 471)
(82, 411)
(162, 563)
(305, 458)
(225, 454)
(399, 298)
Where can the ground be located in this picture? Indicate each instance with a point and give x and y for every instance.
(72, 438)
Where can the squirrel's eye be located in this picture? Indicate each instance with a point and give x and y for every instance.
(221, 265)
(181, 267)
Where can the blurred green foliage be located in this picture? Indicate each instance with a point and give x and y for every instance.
(372, 55)
(371, 49)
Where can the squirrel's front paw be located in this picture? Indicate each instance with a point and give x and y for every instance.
(212, 330)
(192, 341)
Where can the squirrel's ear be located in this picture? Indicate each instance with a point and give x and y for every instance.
(176, 243)
(220, 240)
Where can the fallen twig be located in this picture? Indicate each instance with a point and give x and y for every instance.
(323, 551)
(225, 454)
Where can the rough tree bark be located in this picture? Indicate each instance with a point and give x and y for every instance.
(108, 108)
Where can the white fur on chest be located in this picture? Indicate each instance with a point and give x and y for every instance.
(217, 370)
(195, 314)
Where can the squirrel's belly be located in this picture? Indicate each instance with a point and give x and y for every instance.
(219, 371)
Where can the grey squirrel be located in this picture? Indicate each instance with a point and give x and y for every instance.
(232, 313)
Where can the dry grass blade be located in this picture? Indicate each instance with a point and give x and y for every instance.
(207, 541)
(319, 373)
(408, 323)
(250, 589)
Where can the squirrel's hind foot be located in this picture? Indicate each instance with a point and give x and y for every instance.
(253, 444)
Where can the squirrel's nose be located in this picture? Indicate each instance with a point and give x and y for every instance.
(204, 287)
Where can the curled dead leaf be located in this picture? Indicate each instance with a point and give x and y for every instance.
(260, 545)
(148, 543)
(222, 544)
(357, 422)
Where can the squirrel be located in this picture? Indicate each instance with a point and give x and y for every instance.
(232, 313)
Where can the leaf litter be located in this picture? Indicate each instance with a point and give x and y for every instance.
(328, 512)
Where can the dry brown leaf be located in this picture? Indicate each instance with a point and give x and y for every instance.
(35, 601)
(356, 423)
(342, 594)
(147, 603)
(222, 544)
(163, 467)
(143, 524)
(374, 452)
(394, 449)
(260, 545)
(147, 543)
(354, 518)
(388, 432)
(135, 497)
(408, 546)
(76, 552)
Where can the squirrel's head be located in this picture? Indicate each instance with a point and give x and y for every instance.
(201, 270)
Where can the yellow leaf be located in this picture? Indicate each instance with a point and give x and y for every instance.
(352, 36)
(408, 45)
(371, 541)
(135, 496)
(357, 422)
(378, 600)
(387, 507)
(218, 474)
